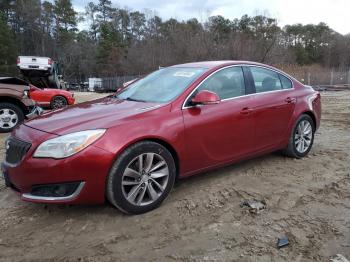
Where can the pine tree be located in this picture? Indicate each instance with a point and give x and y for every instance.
(8, 48)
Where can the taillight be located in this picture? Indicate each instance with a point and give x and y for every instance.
(50, 61)
(18, 60)
(26, 94)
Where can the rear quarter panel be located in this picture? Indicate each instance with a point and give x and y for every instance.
(15, 92)
(307, 101)
(41, 97)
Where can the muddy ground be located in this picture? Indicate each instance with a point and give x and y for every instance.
(308, 200)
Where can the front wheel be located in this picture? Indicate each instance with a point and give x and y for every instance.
(302, 137)
(141, 178)
(58, 102)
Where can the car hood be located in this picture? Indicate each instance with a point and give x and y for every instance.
(101, 113)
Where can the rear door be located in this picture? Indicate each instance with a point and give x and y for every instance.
(273, 106)
(220, 132)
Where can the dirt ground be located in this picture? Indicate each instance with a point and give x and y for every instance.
(308, 200)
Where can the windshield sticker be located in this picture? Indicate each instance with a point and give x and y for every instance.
(184, 74)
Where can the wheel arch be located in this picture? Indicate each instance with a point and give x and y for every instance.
(160, 141)
(12, 100)
(313, 117)
(172, 151)
(58, 95)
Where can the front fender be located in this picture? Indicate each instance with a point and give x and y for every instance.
(160, 126)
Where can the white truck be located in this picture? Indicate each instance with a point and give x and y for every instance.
(34, 63)
(42, 72)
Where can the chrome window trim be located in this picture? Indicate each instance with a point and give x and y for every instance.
(29, 196)
(240, 65)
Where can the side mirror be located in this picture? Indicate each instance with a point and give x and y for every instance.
(205, 97)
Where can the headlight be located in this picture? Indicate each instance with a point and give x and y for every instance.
(67, 145)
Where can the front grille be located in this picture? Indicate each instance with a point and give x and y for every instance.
(16, 150)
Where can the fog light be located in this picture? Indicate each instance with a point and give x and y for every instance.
(55, 190)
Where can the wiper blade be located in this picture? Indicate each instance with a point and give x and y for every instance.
(133, 99)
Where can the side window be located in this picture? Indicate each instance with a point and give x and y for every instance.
(286, 83)
(227, 83)
(265, 80)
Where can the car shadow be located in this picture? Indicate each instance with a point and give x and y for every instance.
(203, 179)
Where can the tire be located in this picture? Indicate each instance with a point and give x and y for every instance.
(149, 190)
(58, 102)
(294, 148)
(10, 116)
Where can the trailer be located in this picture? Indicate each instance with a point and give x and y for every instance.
(95, 84)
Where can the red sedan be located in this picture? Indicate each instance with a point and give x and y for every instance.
(51, 98)
(173, 123)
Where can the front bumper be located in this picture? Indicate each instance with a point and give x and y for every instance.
(90, 167)
(35, 67)
(71, 100)
(65, 197)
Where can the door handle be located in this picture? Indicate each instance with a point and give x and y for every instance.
(290, 100)
(246, 111)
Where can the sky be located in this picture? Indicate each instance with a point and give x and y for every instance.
(332, 12)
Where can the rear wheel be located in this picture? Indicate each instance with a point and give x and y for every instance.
(141, 178)
(302, 137)
(58, 102)
(10, 116)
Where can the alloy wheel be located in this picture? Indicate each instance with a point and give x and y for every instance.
(8, 118)
(145, 179)
(303, 136)
(59, 102)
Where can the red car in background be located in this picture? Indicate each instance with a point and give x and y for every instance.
(173, 123)
(51, 98)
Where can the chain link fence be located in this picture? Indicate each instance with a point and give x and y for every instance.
(315, 75)
(111, 84)
(309, 76)
(325, 78)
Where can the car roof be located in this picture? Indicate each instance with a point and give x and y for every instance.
(214, 64)
(13, 81)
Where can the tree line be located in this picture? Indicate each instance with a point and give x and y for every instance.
(119, 41)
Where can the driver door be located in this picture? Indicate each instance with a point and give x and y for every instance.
(222, 132)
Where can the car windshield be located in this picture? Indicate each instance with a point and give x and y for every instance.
(161, 86)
